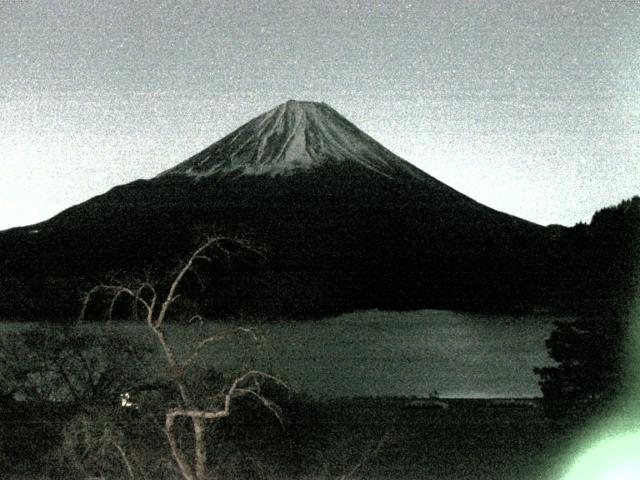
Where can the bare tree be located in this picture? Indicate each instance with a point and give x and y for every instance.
(67, 365)
(155, 307)
(92, 443)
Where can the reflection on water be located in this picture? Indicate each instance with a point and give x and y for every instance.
(385, 353)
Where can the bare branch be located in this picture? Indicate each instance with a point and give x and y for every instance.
(125, 460)
(67, 380)
(183, 464)
(234, 391)
(114, 299)
(366, 457)
(198, 348)
(196, 318)
(198, 277)
(271, 406)
(148, 286)
(249, 331)
(259, 374)
(171, 296)
(117, 291)
(209, 415)
(85, 302)
(150, 306)
(214, 338)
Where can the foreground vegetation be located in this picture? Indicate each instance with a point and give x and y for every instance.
(346, 438)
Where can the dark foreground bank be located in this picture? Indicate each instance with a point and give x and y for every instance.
(385, 438)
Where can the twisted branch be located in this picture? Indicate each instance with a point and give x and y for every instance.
(155, 320)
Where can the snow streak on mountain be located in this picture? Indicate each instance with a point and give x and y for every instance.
(295, 136)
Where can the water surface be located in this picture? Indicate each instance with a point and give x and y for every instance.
(376, 353)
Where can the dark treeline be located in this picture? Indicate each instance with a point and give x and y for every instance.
(389, 251)
(597, 264)
(599, 283)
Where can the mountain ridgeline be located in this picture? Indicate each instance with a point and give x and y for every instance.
(345, 224)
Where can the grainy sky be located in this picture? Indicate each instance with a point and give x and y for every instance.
(530, 107)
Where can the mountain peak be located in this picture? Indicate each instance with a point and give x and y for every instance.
(301, 104)
(292, 137)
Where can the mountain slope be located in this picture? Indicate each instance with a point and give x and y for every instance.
(346, 224)
(290, 138)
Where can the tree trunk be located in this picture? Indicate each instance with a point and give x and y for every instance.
(182, 462)
(200, 447)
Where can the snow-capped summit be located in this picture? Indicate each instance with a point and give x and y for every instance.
(294, 136)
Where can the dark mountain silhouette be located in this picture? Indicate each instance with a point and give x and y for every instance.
(346, 224)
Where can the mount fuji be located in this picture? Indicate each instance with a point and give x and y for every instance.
(345, 223)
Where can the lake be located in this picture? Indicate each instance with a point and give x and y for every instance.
(374, 353)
